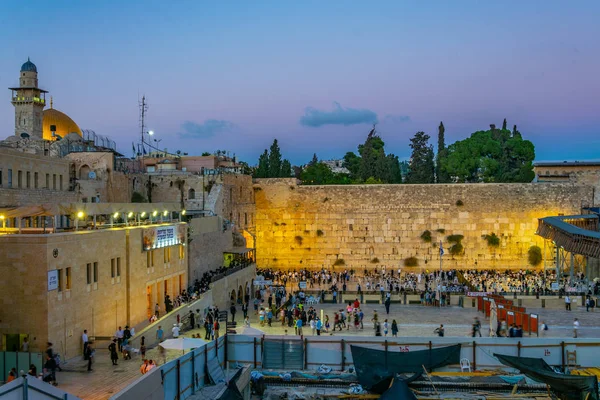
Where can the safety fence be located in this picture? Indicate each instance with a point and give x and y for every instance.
(507, 311)
(21, 361)
(310, 352)
(182, 377)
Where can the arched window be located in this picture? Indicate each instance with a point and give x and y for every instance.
(84, 172)
(191, 194)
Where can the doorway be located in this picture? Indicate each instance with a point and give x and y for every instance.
(149, 301)
(12, 342)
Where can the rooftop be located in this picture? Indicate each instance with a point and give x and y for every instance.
(567, 164)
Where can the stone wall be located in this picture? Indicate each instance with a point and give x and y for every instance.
(373, 225)
(208, 241)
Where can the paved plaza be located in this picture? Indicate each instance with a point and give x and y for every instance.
(413, 320)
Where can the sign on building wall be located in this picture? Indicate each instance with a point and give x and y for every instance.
(163, 236)
(53, 280)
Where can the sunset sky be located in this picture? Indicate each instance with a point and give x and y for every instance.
(233, 75)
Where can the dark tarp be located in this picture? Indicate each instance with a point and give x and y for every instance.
(398, 391)
(376, 368)
(572, 387)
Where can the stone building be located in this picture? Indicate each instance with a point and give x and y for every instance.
(584, 172)
(57, 284)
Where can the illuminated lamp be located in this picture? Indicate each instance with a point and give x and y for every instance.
(143, 214)
(183, 212)
(166, 213)
(80, 214)
(130, 215)
(2, 217)
(155, 213)
(116, 215)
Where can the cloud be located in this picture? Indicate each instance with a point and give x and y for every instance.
(396, 119)
(339, 116)
(207, 129)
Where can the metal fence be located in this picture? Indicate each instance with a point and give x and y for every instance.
(20, 361)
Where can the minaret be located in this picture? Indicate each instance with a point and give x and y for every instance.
(29, 102)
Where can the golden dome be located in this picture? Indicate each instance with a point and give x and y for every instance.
(63, 123)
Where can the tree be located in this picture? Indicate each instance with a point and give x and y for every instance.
(314, 160)
(504, 124)
(262, 171)
(495, 155)
(422, 169)
(317, 174)
(441, 175)
(205, 154)
(286, 169)
(274, 160)
(352, 164)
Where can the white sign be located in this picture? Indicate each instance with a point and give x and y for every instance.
(554, 286)
(302, 284)
(477, 294)
(53, 280)
(262, 283)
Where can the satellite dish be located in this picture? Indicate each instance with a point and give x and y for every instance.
(92, 175)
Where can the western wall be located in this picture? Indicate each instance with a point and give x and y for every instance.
(368, 226)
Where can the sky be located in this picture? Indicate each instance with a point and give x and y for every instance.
(234, 75)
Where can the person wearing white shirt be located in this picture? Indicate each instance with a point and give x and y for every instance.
(575, 327)
(175, 331)
(85, 340)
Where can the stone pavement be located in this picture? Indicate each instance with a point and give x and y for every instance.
(413, 320)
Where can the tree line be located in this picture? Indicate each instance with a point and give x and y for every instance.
(493, 155)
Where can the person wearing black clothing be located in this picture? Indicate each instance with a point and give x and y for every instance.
(114, 356)
(90, 355)
(127, 333)
(233, 310)
(192, 320)
(50, 370)
(439, 331)
(387, 303)
(245, 309)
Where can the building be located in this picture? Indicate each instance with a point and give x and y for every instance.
(110, 269)
(586, 172)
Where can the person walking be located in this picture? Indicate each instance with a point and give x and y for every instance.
(143, 347)
(114, 356)
(388, 302)
(232, 310)
(394, 328)
(476, 327)
(245, 309)
(175, 331)
(299, 326)
(90, 356)
(319, 326)
(440, 331)
(119, 335)
(85, 340)
(156, 310)
(567, 303)
(575, 327)
(159, 334)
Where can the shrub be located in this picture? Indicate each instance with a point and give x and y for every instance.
(411, 262)
(456, 249)
(276, 223)
(492, 240)
(455, 239)
(375, 260)
(459, 203)
(325, 199)
(426, 236)
(319, 232)
(283, 224)
(441, 230)
(137, 197)
(299, 240)
(339, 261)
(274, 259)
(534, 256)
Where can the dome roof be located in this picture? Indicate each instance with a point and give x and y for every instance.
(28, 66)
(64, 124)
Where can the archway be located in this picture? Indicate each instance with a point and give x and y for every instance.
(191, 194)
(84, 172)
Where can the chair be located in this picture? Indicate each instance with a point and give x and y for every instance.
(571, 359)
(465, 364)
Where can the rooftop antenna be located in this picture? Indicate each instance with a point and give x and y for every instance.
(143, 109)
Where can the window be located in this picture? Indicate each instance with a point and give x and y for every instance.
(28, 182)
(95, 272)
(20, 179)
(113, 267)
(0, 177)
(47, 181)
(118, 267)
(68, 278)
(167, 254)
(53, 181)
(35, 180)
(191, 194)
(181, 252)
(9, 178)
(89, 273)
(60, 180)
(60, 280)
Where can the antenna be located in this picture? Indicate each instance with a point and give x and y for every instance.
(143, 109)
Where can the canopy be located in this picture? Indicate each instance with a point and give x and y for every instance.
(48, 210)
(375, 369)
(571, 387)
(182, 343)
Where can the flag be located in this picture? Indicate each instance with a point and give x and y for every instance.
(441, 249)
(133, 148)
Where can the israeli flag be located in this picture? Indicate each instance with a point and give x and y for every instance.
(441, 249)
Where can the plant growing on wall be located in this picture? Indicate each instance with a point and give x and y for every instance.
(459, 203)
(276, 223)
(339, 261)
(426, 236)
(534, 256)
(456, 248)
(137, 197)
(375, 260)
(411, 262)
(441, 230)
(299, 240)
(492, 240)
(319, 232)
